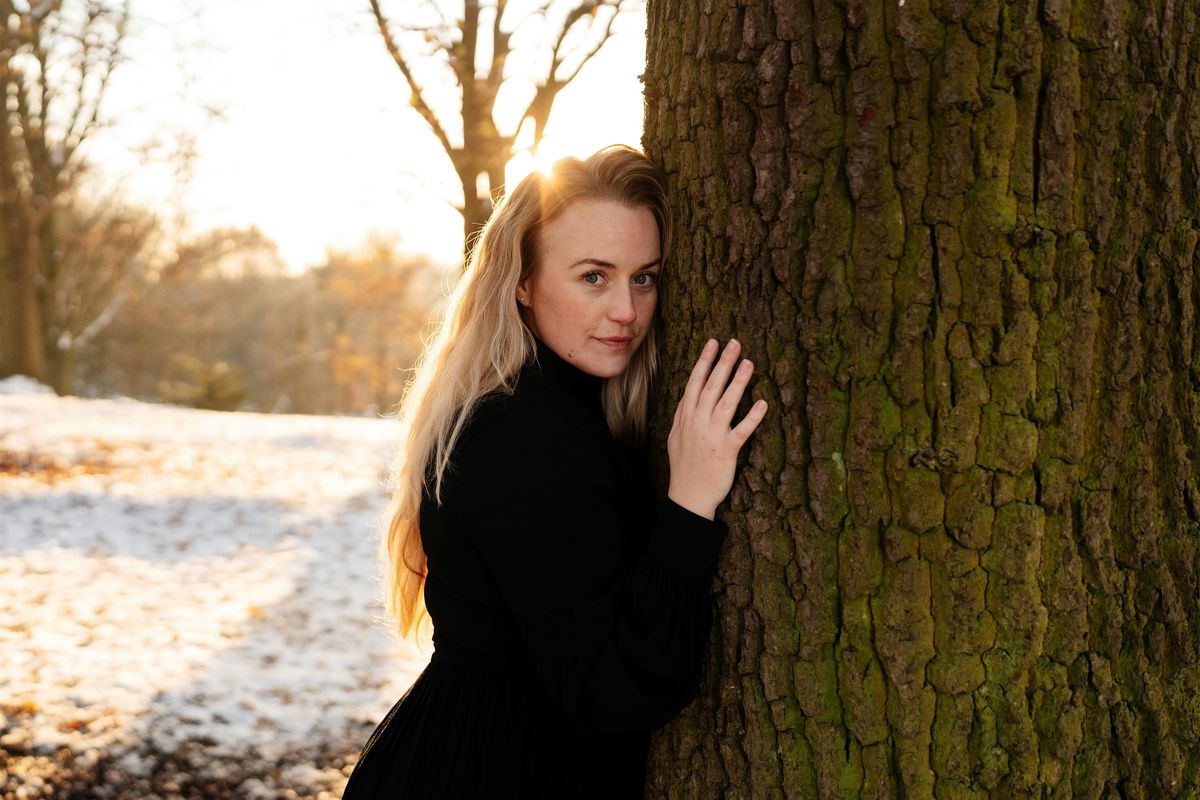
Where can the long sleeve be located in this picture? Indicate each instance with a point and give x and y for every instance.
(613, 617)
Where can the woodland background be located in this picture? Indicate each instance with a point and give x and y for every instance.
(960, 240)
(196, 405)
(105, 293)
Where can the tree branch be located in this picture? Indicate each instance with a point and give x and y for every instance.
(417, 99)
(538, 110)
(106, 315)
(85, 45)
(462, 56)
(604, 37)
(500, 49)
(33, 122)
(75, 136)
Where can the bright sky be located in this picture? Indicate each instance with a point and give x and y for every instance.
(317, 145)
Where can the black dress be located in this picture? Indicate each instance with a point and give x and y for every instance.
(569, 612)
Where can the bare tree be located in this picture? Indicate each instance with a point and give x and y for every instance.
(475, 48)
(100, 254)
(56, 59)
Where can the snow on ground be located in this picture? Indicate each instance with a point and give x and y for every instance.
(189, 592)
(19, 384)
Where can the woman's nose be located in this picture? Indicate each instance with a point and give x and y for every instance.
(621, 308)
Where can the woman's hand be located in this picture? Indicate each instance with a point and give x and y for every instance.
(701, 447)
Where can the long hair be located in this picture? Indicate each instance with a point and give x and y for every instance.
(483, 341)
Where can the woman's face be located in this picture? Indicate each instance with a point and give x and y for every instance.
(592, 293)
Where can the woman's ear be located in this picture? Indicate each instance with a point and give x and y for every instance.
(523, 292)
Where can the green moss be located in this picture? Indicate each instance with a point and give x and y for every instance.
(970, 387)
(1012, 385)
(862, 686)
(860, 563)
(912, 762)
(993, 767)
(913, 281)
(955, 673)
(1037, 250)
(969, 511)
(904, 633)
(959, 790)
(950, 559)
(1007, 442)
(1026, 491)
(996, 134)
(1058, 720)
(952, 721)
(1016, 543)
(889, 416)
(990, 215)
(759, 737)
(922, 503)
(879, 779)
(827, 493)
(867, 492)
(1053, 336)
(773, 600)
(1020, 627)
(900, 543)
(795, 755)
(816, 683)
(957, 82)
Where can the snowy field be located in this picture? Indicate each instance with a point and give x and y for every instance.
(189, 600)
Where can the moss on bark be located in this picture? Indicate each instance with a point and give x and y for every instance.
(960, 242)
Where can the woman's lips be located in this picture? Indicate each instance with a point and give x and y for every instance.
(617, 342)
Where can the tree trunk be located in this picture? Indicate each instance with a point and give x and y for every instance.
(960, 243)
(61, 362)
(475, 210)
(66, 369)
(24, 351)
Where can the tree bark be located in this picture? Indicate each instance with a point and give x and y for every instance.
(21, 303)
(22, 351)
(960, 243)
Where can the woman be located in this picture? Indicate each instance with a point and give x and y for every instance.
(569, 610)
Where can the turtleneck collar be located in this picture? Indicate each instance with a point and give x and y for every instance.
(560, 372)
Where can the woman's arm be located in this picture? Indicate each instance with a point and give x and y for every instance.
(616, 636)
(614, 619)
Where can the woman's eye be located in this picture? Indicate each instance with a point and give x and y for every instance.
(645, 279)
(593, 278)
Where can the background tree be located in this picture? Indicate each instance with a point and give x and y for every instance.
(960, 242)
(380, 301)
(56, 58)
(223, 325)
(475, 49)
(101, 251)
(196, 322)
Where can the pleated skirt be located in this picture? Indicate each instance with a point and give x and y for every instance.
(462, 731)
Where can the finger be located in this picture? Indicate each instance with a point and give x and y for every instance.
(719, 376)
(741, 432)
(691, 392)
(733, 393)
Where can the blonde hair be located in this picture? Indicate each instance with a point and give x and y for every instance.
(484, 340)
